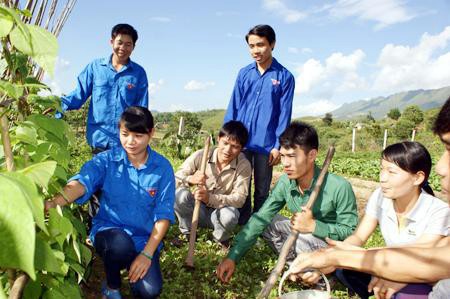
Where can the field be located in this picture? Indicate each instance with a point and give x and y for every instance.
(254, 269)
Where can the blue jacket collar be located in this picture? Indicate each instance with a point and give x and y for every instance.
(119, 154)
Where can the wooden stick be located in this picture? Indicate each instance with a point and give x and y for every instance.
(190, 256)
(294, 234)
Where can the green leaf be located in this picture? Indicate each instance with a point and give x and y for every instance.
(54, 293)
(40, 173)
(30, 192)
(6, 23)
(76, 248)
(60, 227)
(45, 258)
(2, 293)
(33, 289)
(14, 91)
(55, 126)
(38, 43)
(16, 228)
(86, 255)
(26, 134)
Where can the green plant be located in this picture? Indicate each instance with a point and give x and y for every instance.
(43, 257)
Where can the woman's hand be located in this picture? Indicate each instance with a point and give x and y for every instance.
(139, 268)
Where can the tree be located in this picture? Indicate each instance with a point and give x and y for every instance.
(328, 119)
(414, 114)
(370, 118)
(394, 114)
(403, 128)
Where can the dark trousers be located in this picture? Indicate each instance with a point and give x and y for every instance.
(262, 176)
(358, 282)
(116, 248)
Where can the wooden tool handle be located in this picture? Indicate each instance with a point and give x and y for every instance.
(271, 281)
(190, 255)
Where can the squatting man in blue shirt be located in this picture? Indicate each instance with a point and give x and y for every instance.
(262, 101)
(221, 190)
(113, 83)
(136, 205)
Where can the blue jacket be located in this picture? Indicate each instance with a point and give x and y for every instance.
(132, 199)
(263, 103)
(111, 93)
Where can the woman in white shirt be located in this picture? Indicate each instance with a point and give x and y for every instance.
(406, 211)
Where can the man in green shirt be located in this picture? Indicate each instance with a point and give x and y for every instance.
(334, 214)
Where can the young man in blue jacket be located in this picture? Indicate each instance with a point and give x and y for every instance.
(262, 101)
(113, 83)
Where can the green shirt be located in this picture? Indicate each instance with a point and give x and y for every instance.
(335, 210)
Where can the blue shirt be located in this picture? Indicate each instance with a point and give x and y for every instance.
(132, 199)
(263, 103)
(111, 93)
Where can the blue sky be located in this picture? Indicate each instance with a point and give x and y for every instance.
(338, 51)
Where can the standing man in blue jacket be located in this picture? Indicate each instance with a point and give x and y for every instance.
(262, 101)
(113, 83)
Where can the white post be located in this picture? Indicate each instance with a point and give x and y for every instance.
(385, 138)
(413, 135)
(181, 126)
(353, 140)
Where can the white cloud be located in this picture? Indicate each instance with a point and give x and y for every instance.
(161, 19)
(61, 66)
(425, 65)
(279, 8)
(154, 87)
(318, 107)
(194, 85)
(295, 50)
(383, 12)
(338, 73)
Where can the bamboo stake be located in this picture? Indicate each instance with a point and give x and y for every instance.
(294, 234)
(190, 256)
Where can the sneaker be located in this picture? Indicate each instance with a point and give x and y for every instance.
(180, 240)
(110, 293)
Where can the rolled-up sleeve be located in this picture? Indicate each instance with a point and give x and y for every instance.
(166, 198)
(91, 176)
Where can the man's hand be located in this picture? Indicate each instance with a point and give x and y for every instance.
(201, 194)
(309, 277)
(303, 221)
(225, 270)
(384, 289)
(139, 268)
(274, 157)
(198, 178)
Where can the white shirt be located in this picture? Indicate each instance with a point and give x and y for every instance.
(428, 216)
(441, 290)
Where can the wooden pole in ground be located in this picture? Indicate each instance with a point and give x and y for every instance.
(385, 139)
(190, 256)
(294, 234)
(353, 139)
(413, 135)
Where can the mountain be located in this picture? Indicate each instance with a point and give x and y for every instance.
(380, 106)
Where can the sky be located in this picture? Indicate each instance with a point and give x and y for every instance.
(338, 51)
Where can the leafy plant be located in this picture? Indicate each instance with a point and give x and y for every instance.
(44, 258)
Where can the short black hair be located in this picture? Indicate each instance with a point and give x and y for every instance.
(410, 156)
(300, 134)
(262, 31)
(125, 29)
(442, 123)
(235, 130)
(137, 119)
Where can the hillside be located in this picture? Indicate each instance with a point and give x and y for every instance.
(380, 106)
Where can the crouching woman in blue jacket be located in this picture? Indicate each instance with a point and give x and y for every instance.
(136, 205)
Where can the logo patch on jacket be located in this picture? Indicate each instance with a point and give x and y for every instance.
(275, 82)
(130, 85)
(152, 192)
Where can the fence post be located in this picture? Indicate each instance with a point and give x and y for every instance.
(181, 126)
(413, 136)
(353, 139)
(385, 138)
